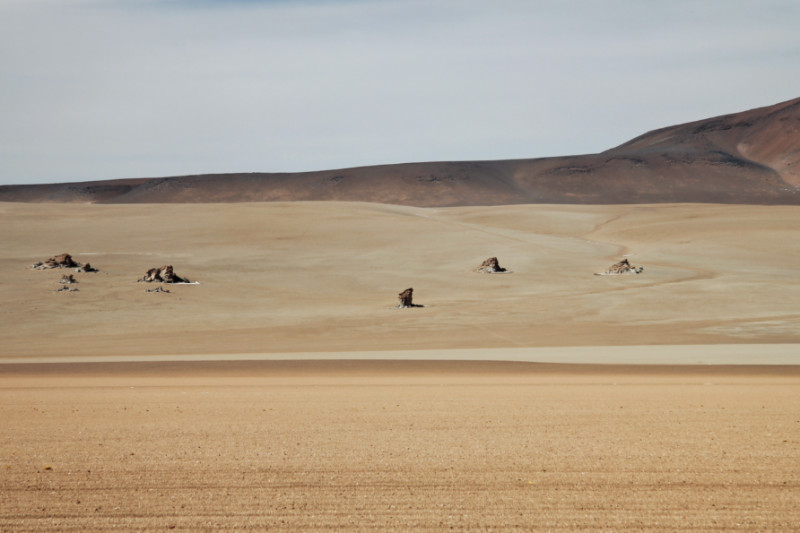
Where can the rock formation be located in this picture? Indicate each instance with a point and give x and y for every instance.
(164, 274)
(63, 261)
(68, 279)
(406, 299)
(490, 266)
(67, 289)
(623, 267)
(59, 261)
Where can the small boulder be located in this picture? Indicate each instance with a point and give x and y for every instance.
(406, 298)
(164, 274)
(68, 279)
(86, 268)
(490, 266)
(623, 267)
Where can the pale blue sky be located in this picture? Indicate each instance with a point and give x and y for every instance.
(104, 89)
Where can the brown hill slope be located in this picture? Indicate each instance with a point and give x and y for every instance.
(751, 157)
(769, 136)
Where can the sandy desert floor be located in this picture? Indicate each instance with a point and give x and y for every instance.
(324, 277)
(285, 391)
(398, 446)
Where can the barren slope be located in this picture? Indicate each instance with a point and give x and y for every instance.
(768, 136)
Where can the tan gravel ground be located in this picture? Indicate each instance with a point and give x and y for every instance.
(398, 445)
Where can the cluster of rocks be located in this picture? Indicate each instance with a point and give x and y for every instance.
(58, 261)
(63, 261)
(492, 266)
(163, 274)
(489, 266)
(166, 274)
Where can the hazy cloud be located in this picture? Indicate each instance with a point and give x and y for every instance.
(96, 89)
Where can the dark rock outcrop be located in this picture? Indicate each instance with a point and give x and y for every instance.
(490, 266)
(406, 299)
(63, 261)
(623, 267)
(58, 261)
(164, 274)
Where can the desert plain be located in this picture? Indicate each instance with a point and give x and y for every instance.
(285, 390)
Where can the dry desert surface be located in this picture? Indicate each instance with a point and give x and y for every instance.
(324, 277)
(286, 392)
(399, 446)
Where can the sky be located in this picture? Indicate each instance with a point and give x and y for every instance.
(106, 89)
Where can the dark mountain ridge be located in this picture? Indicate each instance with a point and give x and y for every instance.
(752, 157)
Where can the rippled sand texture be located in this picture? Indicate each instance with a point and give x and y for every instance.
(400, 446)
